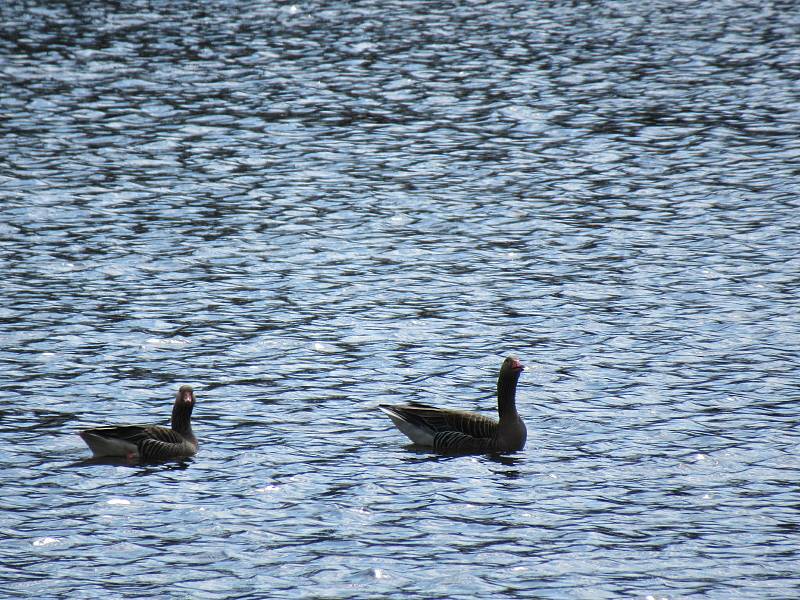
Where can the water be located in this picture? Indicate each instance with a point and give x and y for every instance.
(306, 209)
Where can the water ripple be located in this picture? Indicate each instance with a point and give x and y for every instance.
(304, 210)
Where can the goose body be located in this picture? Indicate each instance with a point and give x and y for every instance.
(148, 442)
(449, 430)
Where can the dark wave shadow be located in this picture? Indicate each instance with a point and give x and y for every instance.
(143, 465)
(505, 459)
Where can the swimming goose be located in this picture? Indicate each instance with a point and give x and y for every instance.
(461, 431)
(148, 442)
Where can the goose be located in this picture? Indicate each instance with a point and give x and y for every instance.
(148, 442)
(447, 430)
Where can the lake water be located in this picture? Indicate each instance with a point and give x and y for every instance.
(304, 210)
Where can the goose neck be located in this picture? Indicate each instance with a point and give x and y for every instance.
(506, 396)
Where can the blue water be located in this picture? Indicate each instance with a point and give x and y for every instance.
(304, 210)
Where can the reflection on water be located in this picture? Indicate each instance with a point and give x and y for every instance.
(141, 467)
(305, 210)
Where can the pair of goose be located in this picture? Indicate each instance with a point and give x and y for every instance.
(442, 429)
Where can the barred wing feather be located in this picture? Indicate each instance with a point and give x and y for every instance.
(454, 441)
(439, 419)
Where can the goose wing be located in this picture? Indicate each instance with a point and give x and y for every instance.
(454, 441)
(135, 434)
(440, 420)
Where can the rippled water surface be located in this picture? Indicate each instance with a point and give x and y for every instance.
(306, 209)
